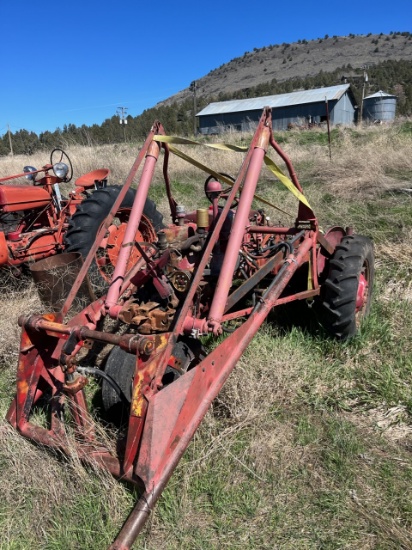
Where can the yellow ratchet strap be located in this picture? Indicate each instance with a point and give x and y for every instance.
(286, 181)
(276, 171)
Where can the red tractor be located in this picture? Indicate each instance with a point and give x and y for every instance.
(36, 222)
(216, 272)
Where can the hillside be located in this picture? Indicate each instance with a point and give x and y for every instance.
(300, 60)
(273, 69)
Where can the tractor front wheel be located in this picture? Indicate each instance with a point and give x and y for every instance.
(120, 367)
(346, 293)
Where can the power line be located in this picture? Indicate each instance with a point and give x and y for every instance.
(121, 113)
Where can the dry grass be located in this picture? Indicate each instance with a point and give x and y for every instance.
(308, 445)
(364, 163)
(17, 298)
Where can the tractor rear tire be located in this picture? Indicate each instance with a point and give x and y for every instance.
(346, 293)
(85, 223)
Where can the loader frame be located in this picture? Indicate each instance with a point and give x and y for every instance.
(163, 418)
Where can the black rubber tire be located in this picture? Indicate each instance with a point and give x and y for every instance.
(337, 310)
(120, 366)
(86, 221)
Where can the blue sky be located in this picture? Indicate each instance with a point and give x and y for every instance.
(76, 62)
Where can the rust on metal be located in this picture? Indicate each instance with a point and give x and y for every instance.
(35, 217)
(203, 272)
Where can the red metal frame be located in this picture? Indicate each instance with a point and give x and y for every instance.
(43, 221)
(163, 419)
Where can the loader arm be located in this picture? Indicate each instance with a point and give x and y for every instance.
(204, 269)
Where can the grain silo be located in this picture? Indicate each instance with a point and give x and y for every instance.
(379, 107)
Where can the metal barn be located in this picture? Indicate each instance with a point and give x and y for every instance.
(296, 108)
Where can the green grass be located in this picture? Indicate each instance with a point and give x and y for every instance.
(308, 445)
(405, 128)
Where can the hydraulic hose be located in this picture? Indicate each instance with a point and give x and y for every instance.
(99, 373)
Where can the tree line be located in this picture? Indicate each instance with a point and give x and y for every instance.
(390, 76)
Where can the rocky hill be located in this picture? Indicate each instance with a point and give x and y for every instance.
(300, 59)
(274, 69)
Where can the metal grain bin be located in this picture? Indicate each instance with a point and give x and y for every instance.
(379, 107)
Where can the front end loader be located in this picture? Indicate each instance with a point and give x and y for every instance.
(214, 274)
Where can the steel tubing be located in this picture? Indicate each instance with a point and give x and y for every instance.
(238, 230)
(133, 225)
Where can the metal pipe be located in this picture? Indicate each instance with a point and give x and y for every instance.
(156, 128)
(238, 230)
(268, 230)
(24, 174)
(217, 226)
(328, 123)
(130, 342)
(133, 224)
(135, 521)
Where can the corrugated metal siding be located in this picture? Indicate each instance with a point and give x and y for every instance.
(379, 109)
(341, 112)
(331, 93)
(213, 120)
(379, 106)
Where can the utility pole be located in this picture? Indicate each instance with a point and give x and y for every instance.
(11, 145)
(365, 80)
(121, 113)
(193, 89)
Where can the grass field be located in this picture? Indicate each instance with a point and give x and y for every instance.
(309, 445)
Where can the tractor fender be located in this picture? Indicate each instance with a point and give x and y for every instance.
(333, 236)
(4, 251)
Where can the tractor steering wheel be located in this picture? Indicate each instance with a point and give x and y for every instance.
(224, 194)
(61, 156)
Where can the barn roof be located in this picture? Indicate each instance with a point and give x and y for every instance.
(275, 101)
